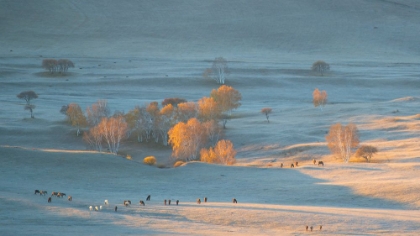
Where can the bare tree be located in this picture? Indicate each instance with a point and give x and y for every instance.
(94, 138)
(266, 111)
(28, 96)
(366, 151)
(342, 140)
(320, 67)
(113, 130)
(98, 111)
(319, 98)
(218, 71)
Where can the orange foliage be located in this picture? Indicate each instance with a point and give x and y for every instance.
(226, 97)
(208, 109)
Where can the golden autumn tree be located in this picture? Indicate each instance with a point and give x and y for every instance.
(222, 153)
(186, 111)
(208, 109)
(342, 140)
(76, 117)
(227, 98)
(187, 139)
(319, 98)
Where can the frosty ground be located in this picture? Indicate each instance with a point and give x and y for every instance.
(373, 82)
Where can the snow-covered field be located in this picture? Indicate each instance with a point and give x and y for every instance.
(134, 52)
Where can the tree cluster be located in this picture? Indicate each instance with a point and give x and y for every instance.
(53, 65)
(342, 140)
(187, 126)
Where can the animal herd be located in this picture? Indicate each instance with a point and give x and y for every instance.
(296, 164)
(56, 194)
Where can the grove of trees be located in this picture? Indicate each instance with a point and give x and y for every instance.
(28, 96)
(342, 140)
(222, 153)
(53, 65)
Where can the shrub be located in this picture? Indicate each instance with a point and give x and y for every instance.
(128, 157)
(179, 163)
(150, 160)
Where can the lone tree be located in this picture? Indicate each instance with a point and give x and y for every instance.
(320, 67)
(266, 111)
(319, 98)
(218, 71)
(366, 152)
(342, 140)
(28, 96)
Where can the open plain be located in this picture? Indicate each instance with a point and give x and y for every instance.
(135, 52)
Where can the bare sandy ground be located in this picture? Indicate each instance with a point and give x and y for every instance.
(149, 51)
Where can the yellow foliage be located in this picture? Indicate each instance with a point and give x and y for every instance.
(150, 160)
(222, 153)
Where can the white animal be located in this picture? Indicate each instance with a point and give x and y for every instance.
(96, 208)
(106, 202)
(100, 207)
(90, 208)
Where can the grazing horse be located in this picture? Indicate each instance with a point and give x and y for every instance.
(49, 199)
(320, 227)
(54, 193)
(115, 208)
(307, 228)
(96, 208)
(296, 164)
(42, 192)
(320, 163)
(281, 165)
(169, 202)
(142, 203)
(127, 202)
(199, 201)
(37, 191)
(70, 198)
(106, 202)
(148, 198)
(205, 199)
(234, 200)
(177, 201)
(292, 166)
(314, 161)
(164, 202)
(311, 228)
(90, 208)
(61, 194)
